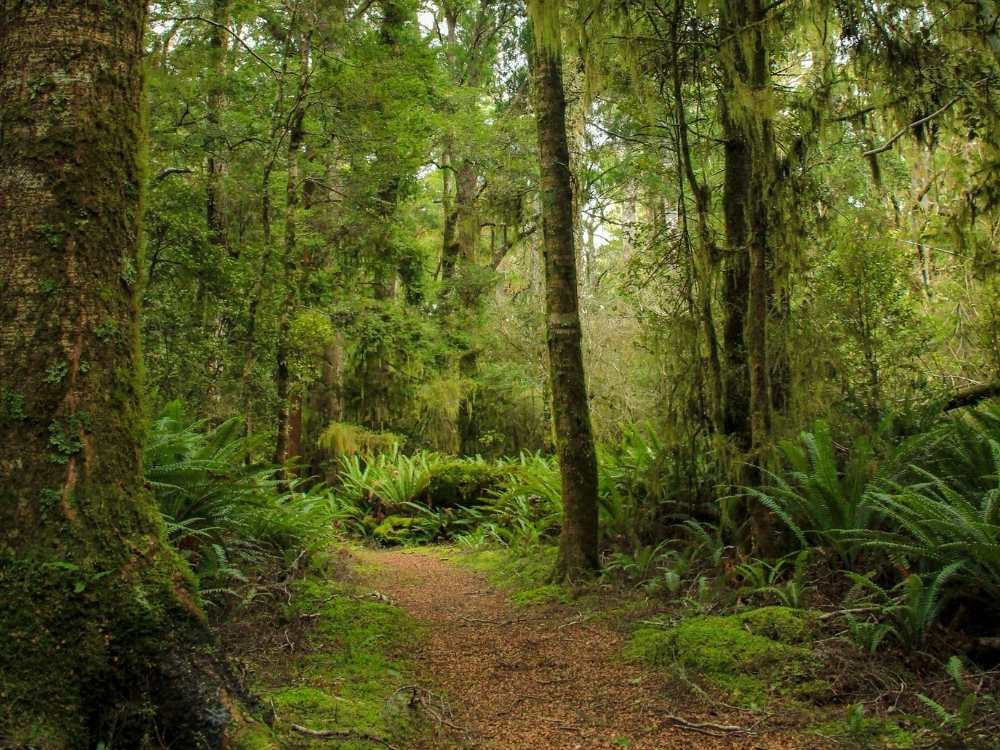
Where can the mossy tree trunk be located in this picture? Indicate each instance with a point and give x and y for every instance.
(751, 168)
(103, 639)
(704, 258)
(376, 402)
(571, 413)
(764, 164)
(736, 272)
(214, 142)
(290, 259)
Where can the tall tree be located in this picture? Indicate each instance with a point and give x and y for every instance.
(103, 638)
(571, 412)
(214, 141)
(290, 260)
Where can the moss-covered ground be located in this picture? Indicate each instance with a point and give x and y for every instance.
(336, 658)
(756, 656)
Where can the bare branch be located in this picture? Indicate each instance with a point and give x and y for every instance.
(234, 35)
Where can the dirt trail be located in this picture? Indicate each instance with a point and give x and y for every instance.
(539, 678)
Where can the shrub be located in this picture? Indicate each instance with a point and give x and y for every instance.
(462, 482)
(948, 518)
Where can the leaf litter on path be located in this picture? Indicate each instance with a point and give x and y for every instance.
(546, 679)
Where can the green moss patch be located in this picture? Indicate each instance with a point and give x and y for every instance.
(348, 662)
(394, 529)
(858, 730)
(781, 624)
(753, 656)
(509, 570)
(540, 595)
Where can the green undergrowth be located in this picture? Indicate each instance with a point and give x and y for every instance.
(857, 729)
(346, 661)
(524, 574)
(756, 657)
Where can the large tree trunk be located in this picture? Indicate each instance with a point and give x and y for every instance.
(761, 261)
(461, 242)
(751, 162)
(575, 442)
(374, 409)
(735, 285)
(103, 637)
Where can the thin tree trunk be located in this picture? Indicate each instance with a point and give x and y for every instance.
(99, 620)
(575, 443)
(704, 258)
(262, 281)
(289, 263)
(214, 142)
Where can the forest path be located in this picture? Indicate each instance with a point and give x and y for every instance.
(537, 678)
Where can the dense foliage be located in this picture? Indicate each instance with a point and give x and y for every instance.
(786, 241)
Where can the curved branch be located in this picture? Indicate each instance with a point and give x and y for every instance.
(234, 35)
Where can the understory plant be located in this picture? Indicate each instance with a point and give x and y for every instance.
(818, 495)
(223, 514)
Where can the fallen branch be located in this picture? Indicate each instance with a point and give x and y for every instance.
(500, 622)
(342, 734)
(424, 699)
(715, 730)
(973, 395)
(852, 611)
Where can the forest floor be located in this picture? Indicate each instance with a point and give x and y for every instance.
(515, 674)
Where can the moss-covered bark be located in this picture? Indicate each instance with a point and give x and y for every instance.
(747, 114)
(214, 142)
(570, 407)
(102, 636)
(736, 272)
(290, 260)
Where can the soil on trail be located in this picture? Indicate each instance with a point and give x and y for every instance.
(540, 677)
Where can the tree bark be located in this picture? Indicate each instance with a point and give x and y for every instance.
(763, 167)
(293, 188)
(735, 283)
(704, 258)
(575, 443)
(751, 164)
(103, 638)
(216, 167)
(973, 395)
(750, 159)
(376, 372)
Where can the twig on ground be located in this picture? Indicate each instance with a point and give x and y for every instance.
(706, 727)
(575, 621)
(343, 734)
(434, 706)
(500, 622)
